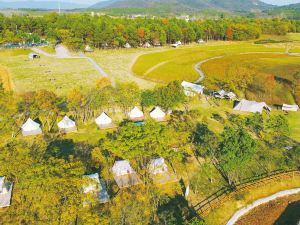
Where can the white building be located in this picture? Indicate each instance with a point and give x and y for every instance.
(96, 187)
(251, 106)
(31, 128)
(157, 114)
(293, 108)
(5, 192)
(67, 125)
(191, 89)
(104, 121)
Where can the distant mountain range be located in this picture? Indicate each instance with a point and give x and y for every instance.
(31, 4)
(187, 5)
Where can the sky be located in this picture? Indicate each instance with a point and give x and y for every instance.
(274, 2)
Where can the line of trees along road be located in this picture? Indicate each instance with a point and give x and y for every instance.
(78, 30)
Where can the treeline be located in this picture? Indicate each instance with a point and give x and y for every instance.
(79, 30)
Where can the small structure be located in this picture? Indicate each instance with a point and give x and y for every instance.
(156, 43)
(293, 108)
(158, 166)
(174, 45)
(224, 94)
(178, 43)
(5, 192)
(127, 45)
(104, 121)
(30, 128)
(251, 106)
(88, 49)
(191, 89)
(96, 187)
(136, 114)
(201, 41)
(33, 56)
(157, 114)
(124, 175)
(158, 170)
(66, 125)
(147, 45)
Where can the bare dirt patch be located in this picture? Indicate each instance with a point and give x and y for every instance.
(282, 211)
(6, 79)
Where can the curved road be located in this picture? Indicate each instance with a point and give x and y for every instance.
(261, 201)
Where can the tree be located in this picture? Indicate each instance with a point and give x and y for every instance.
(229, 34)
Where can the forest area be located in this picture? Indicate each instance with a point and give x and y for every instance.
(47, 170)
(79, 30)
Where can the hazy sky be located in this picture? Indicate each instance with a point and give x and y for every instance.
(274, 2)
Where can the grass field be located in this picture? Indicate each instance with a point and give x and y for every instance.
(178, 64)
(58, 75)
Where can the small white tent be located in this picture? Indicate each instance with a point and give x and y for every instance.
(251, 106)
(147, 45)
(5, 193)
(191, 89)
(127, 45)
(157, 113)
(293, 108)
(136, 113)
(178, 43)
(158, 166)
(97, 186)
(67, 125)
(224, 94)
(201, 41)
(31, 128)
(104, 121)
(121, 168)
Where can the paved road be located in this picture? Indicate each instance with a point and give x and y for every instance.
(248, 208)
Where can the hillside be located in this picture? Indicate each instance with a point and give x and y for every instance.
(187, 5)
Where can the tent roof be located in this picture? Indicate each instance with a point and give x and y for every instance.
(135, 113)
(193, 87)
(66, 122)
(1, 182)
(251, 106)
(157, 165)
(286, 107)
(30, 125)
(157, 113)
(103, 119)
(122, 167)
(157, 162)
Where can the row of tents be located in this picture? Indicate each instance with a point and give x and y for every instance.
(124, 175)
(67, 125)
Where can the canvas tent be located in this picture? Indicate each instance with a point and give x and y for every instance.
(178, 43)
(136, 114)
(158, 166)
(191, 89)
(127, 45)
(174, 45)
(251, 106)
(104, 121)
(147, 45)
(124, 175)
(98, 187)
(5, 192)
(201, 41)
(157, 114)
(293, 108)
(67, 125)
(31, 128)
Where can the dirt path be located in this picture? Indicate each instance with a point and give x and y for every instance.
(155, 67)
(239, 214)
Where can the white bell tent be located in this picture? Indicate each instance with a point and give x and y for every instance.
(104, 121)
(67, 125)
(136, 113)
(31, 128)
(157, 114)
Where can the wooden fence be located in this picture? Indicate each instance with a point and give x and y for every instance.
(218, 198)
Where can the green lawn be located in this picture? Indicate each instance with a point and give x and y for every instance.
(58, 75)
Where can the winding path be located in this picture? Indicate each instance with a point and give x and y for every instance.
(261, 201)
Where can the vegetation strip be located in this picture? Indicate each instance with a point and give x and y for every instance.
(248, 208)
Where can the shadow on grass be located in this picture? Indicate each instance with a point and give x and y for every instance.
(290, 216)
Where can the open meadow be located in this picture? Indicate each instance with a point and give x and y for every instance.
(57, 75)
